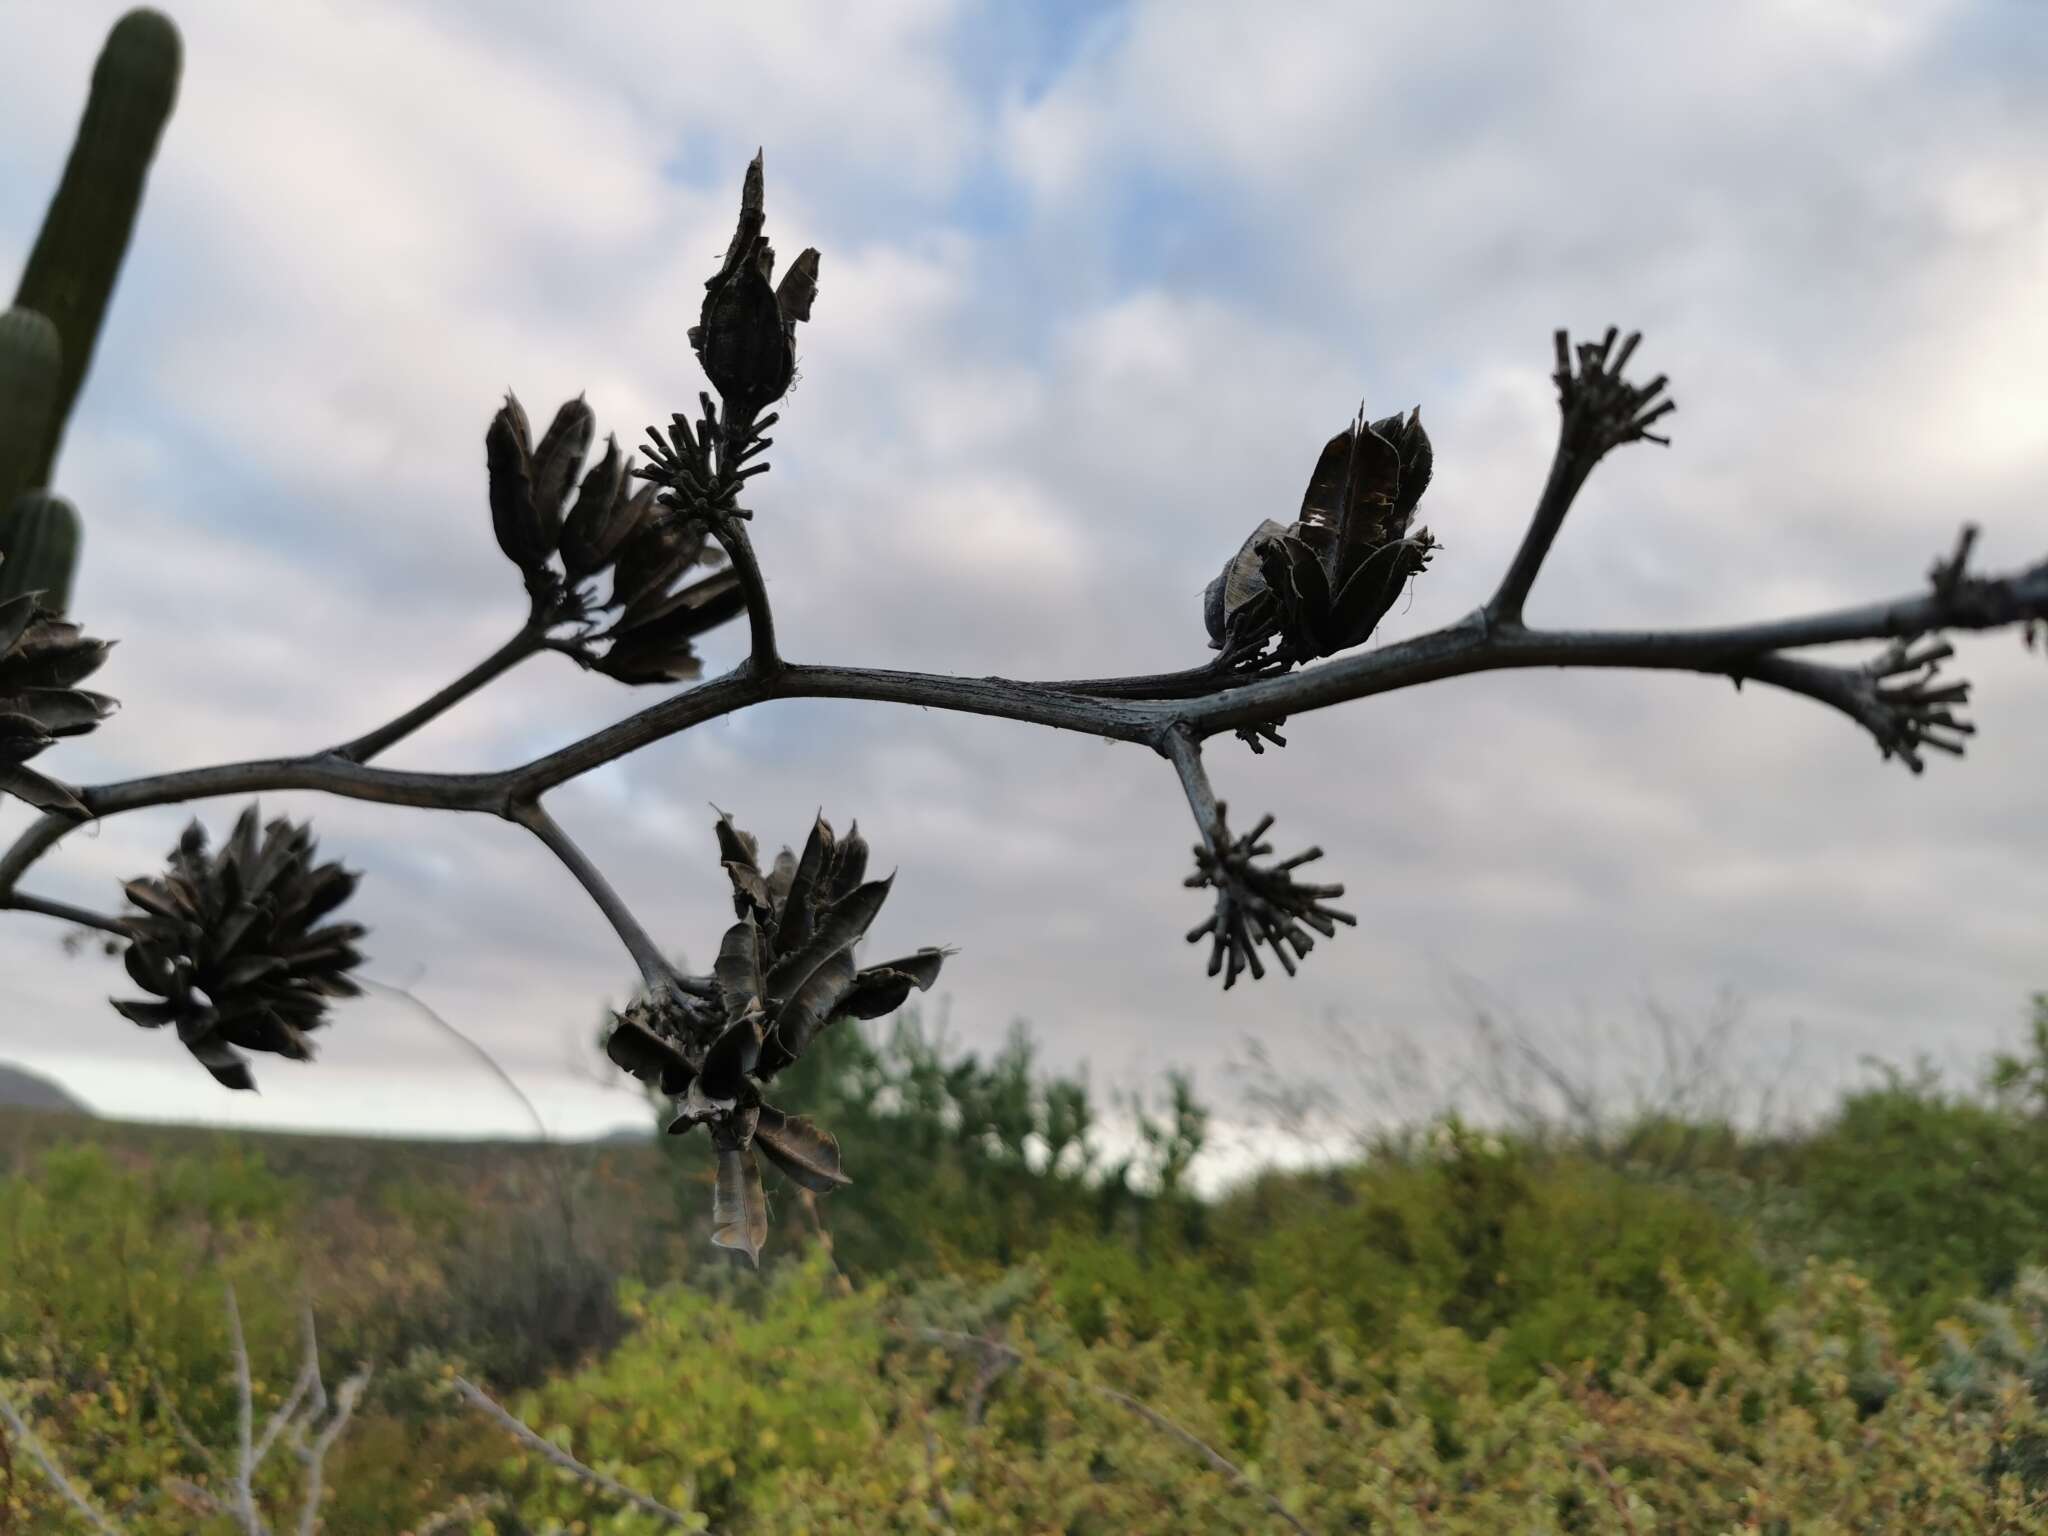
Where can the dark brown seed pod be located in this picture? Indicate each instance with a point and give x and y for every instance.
(785, 972)
(233, 947)
(745, 337)
(42, 660)
(1323, 583)
(563, 548)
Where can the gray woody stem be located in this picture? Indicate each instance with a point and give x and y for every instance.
(477, 1398)
(245, 1457)
(530, 641)
(659, 975)
(314, 1456)
(1468, 646)
(994, 1347)
(65, 912)
(1185, 753)
(87, 1510)
(304, 1405)
(739, 549)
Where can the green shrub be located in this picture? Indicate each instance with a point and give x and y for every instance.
(826, 1411)
(1938, 1197)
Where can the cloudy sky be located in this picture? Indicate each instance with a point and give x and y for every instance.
(1098, 281)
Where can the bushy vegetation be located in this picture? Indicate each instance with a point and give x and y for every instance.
(1674, 1328)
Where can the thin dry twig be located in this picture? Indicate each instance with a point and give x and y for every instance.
(461, 1512)
(548, 1451)
(314, 1456)
(1159, 1421)
(309, 1372)
(179, 1427)
(1615, 1493)
(41, 1454)
(245, 1456)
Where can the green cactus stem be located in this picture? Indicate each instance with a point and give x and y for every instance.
(77, 257)
(31, 373)
(40, 534)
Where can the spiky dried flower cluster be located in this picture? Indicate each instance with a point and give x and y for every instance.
(42, 660)
(561, 548)
(699, 466)
(233, 949)
(1259, 905)
(1602, 410)
(1912, 710)
(785, 972)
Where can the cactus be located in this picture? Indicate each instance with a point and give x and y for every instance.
(31, 373)
(77, 256)
(41, 534)
(47, 339)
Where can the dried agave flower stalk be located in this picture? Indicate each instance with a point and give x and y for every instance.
(42, 660)
(785, 972)
(232, 948)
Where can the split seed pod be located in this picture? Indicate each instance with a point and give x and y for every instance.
(745, 337)
(42, 660)
(785, 972)
(234, 949)
(1323, 583)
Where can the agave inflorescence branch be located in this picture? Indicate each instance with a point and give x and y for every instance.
(1288, 616)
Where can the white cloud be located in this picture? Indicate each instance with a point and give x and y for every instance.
(1075, 339)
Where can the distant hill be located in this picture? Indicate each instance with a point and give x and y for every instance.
(21, 1089)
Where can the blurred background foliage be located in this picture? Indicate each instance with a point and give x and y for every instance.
(1660, 1320)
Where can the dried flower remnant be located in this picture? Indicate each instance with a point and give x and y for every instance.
(1259, 905)
(785, 971)
(1912, 710)
(1323, 583)
(1601, 409)
(42, 660)
(530, 484)
(562, 548)
(745, 337)
(233, 949)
